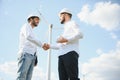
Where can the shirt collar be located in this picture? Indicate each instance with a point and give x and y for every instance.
(30, 26)
(67, 22)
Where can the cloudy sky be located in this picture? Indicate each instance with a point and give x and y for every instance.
(98, 20)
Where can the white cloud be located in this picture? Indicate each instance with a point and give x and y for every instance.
(113, 35)
(10, 68)
(104, 67)
(104, 14)
(99, 51)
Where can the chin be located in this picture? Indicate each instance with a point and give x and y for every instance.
(36, 25)
(62, 22)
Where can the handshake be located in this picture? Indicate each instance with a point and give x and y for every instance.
(46, 46)
(61, 39)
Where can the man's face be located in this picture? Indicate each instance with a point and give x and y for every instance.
(62, 18)
(35, 21)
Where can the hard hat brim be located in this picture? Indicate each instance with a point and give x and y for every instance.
(33, 17)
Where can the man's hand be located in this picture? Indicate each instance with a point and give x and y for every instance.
(61, 40)
(46, 46)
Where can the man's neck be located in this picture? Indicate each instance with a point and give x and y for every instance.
(67, 20)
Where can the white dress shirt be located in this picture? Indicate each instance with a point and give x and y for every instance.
(28, 42)
(72, 34)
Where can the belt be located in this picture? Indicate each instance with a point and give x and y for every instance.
(35, 54)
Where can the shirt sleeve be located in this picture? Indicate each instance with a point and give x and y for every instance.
(77, 35)
(30, 36)
(56, 47)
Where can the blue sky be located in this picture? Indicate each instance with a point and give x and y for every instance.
(99, 49)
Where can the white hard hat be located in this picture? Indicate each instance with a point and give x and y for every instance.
(32, 15)
(65, 10)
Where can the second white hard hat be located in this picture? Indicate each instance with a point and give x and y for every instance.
(33, 15)
(65, 10)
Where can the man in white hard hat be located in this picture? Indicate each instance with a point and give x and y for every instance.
(27, 58)
(68, 45)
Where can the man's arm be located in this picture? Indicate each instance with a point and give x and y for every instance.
(77, 35)
(30, 37)
(47, 46)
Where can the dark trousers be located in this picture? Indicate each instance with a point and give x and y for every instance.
(68, 66)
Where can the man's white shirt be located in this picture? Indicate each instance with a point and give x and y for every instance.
(28, 41)
(72, 34)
